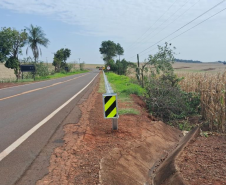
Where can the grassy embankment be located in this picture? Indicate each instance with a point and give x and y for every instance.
(41, 78)
(123, 86)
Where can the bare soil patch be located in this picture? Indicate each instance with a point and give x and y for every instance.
(182, 67)
(204, 161)
(209, 69)
(125, 155)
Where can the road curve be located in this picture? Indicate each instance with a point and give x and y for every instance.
(23, 107)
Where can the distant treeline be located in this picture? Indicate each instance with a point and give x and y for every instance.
(187, 61)
(224, 62)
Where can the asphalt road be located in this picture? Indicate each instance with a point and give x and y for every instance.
(22, 108)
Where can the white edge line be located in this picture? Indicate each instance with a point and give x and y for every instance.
(39, 82)
(20, 140)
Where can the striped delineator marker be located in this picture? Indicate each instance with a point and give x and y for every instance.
(110, 105)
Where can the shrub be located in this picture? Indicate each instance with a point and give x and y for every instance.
(170, 102)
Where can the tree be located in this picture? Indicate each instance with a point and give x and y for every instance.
(81, 65)
(66, 54)
(160, 62)
(36, 37)
(108, 50)
(11, 42)
(119, 50)
(123, 65)
(60, 58)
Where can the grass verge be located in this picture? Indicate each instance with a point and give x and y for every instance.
(60, 75)
(123, 86)
(49, 77)
(128, 111)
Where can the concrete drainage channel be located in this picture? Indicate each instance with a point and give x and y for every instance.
(167, 172)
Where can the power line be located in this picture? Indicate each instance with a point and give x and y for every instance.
(195, 25)
(165, 21)
(154, 23)
(175, 19)
(182, 26)
(198, 24)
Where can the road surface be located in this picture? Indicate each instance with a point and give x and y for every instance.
(30, 115)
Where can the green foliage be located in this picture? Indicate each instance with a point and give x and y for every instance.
(128, 111)
(162, 60)
(189, 61)
(119, 67)
(36, 38)
(60, 75)
(112, 65)
(12, 63)
(42, 69)
(170, 102)
(123, 85)
(109, 50)
(82, 65)
(119, 50)
(11, 42)
(122, 66)
(60, 57)
(160, 63)
(70, 67)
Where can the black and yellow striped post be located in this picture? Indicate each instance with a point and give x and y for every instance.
(110, 105)
(111, 108)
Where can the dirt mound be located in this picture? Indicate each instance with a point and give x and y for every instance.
(93, 153)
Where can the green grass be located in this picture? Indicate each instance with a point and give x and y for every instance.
(123, 86)
(49, 77)
(128, 111)
(60, 75)
(101, 85)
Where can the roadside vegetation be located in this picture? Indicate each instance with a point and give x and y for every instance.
(11, 43)
(124, 87)
(158, 85)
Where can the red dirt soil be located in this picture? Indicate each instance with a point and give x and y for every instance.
(91, 140)
(204, 161)
(6, 85)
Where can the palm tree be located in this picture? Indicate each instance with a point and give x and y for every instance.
(36, 37)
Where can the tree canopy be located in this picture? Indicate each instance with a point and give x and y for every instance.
(119, 50)
(11, 42)
(60, 58)
(109, 50)
(36, 38)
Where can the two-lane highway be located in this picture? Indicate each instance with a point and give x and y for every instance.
(29, 115)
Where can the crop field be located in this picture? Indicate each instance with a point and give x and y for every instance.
(6, 74)
(212, 90)
(212, 67)
(208, 80)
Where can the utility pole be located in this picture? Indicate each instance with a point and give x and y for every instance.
(138, 68)
(138, 62)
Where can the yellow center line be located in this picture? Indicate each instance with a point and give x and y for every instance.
(26, 92)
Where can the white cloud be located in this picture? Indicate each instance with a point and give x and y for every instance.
(123, 19)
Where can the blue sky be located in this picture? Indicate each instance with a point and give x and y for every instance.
(81, 25)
